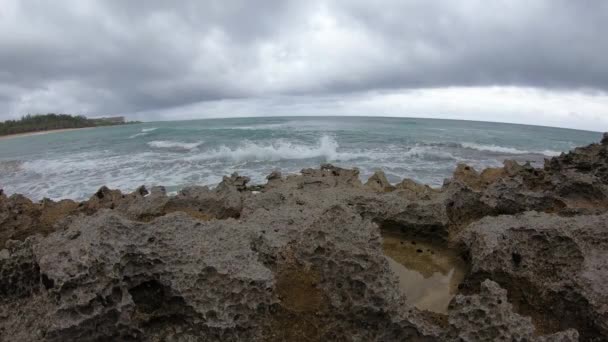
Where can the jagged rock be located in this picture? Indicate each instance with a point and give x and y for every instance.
(234, 181)
(467, 175)
(412, 190)
(554, 266)
(512, 167)
(274, 175)
(488, 316)
(142, 191)
(378, 182)
(108, 278)
(327, 176)
(300, 258)
(20, 217)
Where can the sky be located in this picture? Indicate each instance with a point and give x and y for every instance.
(524, 61)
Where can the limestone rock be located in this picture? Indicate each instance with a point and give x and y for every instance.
(488, 316)
(378, 182)
(551, 264)
(300, 258)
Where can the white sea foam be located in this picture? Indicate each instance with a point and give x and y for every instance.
(326, 148)
(144, 132)
(176, 145)
(551, 153)
(507, 150)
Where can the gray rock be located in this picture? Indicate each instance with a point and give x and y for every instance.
(378, 182)
(555, 266)
(300, 258)
(488, 316)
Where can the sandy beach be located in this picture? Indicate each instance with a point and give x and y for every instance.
(18, 135)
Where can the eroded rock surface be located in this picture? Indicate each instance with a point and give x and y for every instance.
(300, 258)
(549, 264)
(488, 316)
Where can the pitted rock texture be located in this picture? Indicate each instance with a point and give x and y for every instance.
(549, 263)
(300, 258)
(106, 277)
(488, 316)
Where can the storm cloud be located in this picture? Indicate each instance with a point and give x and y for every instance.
(138, 57)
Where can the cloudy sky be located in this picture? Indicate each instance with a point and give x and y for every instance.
(527, 61)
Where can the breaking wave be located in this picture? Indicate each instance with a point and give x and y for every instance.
(507, 150)
(326, 148)
(175, 145)
(144, 131)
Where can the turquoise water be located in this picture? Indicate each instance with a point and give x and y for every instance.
(175, 154)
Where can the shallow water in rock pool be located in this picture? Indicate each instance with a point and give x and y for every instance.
(428, 275)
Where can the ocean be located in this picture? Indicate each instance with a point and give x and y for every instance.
(176, 154)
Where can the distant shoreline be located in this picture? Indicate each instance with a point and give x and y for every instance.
(27, 134)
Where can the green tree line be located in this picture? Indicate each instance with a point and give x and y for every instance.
(46, 122)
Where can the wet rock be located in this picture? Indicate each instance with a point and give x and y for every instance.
(274, 175)
(142, 191)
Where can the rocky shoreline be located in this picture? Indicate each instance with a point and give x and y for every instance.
(300, 258)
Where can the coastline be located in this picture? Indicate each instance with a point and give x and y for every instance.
(27, 134)
(308, 250)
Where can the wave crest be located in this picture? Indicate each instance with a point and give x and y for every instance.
(144, 132)
(327, 148)
(175, 145)
(507, 150)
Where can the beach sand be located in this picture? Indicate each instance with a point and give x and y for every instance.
(10, 136)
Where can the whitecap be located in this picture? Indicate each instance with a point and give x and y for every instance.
(507, 150)
(176, 145)
(144, 132)
(551, 153)
(326, 148)
(137, 135)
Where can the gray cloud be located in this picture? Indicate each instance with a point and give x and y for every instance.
(115, 56)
